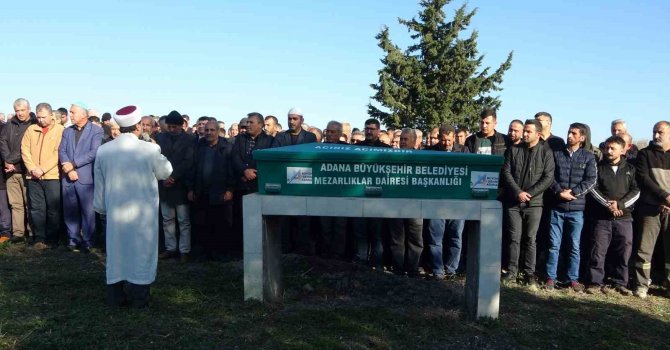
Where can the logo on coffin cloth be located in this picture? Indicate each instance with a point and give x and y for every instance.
(298, 175)
(484, 180)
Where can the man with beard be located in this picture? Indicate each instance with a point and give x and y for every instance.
(575, 176)
(296, 233)
(515, 132)
(126, 191)
(653, 177)
(527, 172)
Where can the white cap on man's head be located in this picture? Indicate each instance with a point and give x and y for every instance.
(295, 110)
(128, 116)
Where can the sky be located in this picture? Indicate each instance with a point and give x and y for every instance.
(581, 61)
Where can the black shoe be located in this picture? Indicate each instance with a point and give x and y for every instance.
(508, 277)
(450, 276)
(531, 283)
(17, 240)
(623, 290)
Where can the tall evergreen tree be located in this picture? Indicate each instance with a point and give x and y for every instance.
(437, 79)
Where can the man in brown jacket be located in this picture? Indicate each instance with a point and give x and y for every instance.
(39, 151)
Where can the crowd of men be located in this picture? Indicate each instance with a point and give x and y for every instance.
(573, 212)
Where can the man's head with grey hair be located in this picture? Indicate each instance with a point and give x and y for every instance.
(408, 138)
(22, 109)
(3, 119)
(419, 138)
(618, 127)
(333, 132)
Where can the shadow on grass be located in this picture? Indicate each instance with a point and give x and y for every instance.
(56, 300)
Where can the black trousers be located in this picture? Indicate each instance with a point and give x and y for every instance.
(333, 236)
(615, 236)
(125, 293)
(45, 209)
(522, 228)
(406, 244)
(213, 224)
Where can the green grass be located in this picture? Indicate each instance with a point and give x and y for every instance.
(55, 300)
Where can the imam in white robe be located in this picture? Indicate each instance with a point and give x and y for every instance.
(126, 175)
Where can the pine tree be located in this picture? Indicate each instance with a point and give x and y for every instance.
(437, 79)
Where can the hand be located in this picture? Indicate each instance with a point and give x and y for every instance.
(250, 174)
(664, 209)
(566, 195)
(618, 213)
(613, 206)
(191, 196)
(73, 176)
(227, 196)
(67, 167)
(37, 173)
(9, 167)
(524, 197)
(169, 182)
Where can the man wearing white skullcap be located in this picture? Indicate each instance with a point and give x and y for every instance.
(296, 135)
(126, 190)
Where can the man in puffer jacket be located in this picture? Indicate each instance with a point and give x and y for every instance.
(575, 175)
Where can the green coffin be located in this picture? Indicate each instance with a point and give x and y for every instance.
(334, 170)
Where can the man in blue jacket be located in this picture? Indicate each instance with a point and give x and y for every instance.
(575, 175)
(76, 154)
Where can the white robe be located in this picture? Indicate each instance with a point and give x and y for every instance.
(126, 190)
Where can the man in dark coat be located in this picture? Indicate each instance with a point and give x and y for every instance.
(487, 140)
(528, 171)
(244, 164)
(10, 149)
(296, 233)
(211, 189)
(296, 135)
(177, 147)
(612, 201)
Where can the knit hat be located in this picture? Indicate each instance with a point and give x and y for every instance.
(174, 118)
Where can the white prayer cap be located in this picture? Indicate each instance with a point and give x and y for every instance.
(295, 110)
(93, 112)
(128, 116)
